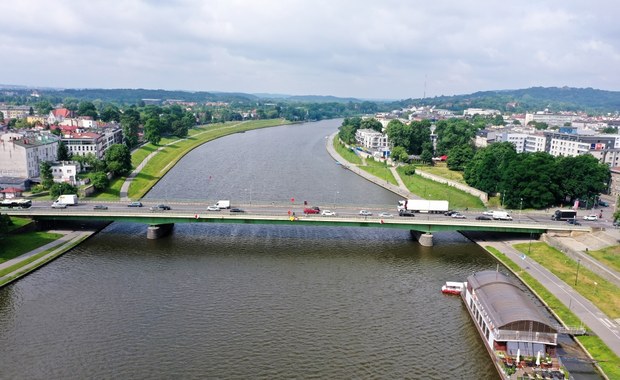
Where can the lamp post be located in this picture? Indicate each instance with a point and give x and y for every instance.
(577, 273)
(520, 209)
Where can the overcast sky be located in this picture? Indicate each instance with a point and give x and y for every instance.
(359, 48)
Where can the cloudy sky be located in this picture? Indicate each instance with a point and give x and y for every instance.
(385, 49)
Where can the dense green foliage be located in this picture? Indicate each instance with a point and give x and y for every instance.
(62, 188)
(535, 180)
(62, 153)
(118, 159)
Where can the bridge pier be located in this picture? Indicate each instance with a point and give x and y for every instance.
(156, 231)
(425, 239)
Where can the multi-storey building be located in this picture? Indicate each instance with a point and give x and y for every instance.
(371, 139)
(21, 154)
(550, 119)
(82, 143)
(14, 112)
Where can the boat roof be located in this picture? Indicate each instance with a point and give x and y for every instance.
(506, 304)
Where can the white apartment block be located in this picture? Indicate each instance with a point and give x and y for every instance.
(480, 111)
(83, 143)
(371, 139)
(517, 139)
(14, 112)
(535, 143)
(559, 147)
(550, 118)
(20, 155)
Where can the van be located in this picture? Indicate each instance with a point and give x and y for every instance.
(501, 215)
(223, 204)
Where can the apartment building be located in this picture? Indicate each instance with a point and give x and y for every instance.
(21, 154)
(371, 139)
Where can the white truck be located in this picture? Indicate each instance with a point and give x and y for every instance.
(423, 206)
(67, 199)
(501, 215)
(223, 204)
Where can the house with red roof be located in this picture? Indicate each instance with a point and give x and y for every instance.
(58, 115)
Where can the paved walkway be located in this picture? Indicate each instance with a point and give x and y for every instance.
(59, 246)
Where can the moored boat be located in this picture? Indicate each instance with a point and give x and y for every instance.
(451, 287)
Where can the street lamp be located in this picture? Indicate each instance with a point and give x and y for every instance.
(577, 273)
(520, 209)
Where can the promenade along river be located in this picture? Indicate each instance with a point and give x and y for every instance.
(245, 301)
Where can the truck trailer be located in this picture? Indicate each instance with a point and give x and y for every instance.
(423, 206)
(564, 215)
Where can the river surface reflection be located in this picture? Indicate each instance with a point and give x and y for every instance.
(247, 301)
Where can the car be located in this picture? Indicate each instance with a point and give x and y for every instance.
(406, 213)
(365, 213)
(213, 208)
(458, 215)
(574, 222)
(590, 217)
(449, 213)
(312, 210)
(483, 217)
(616, 223)
(135, 204)
(59, 205)
(235, 209)
(328, 213)
(386, 215)
(100, 207)
(161, 207)
(603, 203)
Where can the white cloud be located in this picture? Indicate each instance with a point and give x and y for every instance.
(340, 47)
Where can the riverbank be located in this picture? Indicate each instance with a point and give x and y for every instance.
(558, 296)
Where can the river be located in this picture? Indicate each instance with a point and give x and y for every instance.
(248, 301)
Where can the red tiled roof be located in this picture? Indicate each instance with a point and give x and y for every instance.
(62, 112)
(12, 190)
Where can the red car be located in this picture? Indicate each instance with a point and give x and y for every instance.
(313, 210)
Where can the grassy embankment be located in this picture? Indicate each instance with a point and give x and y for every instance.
(605, 357)
(377, 168)
(169, 155)
(16, 245)
(609, 256)
(14, 269)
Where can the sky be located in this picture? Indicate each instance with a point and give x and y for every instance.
(384, 49)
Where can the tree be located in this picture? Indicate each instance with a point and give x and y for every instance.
(399, 134)
(152, 132)
(110, 113)
(399, 154)
(86, 108)
(118, 159)
(582, 177)
(453, 132)
(427, 156)
(43, 107)
(348, 129)
(459, 156)
(58, 189)
(91, 161)
(486, 168)
(45, 173)
(372, 123)
(62, 153)
(100, 180)
(420, 135)
(5, 223)
(532, 181)
(130, 121)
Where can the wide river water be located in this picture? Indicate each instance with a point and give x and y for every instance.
(246, 301)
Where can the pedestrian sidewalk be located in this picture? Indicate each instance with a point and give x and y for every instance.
(58, 246)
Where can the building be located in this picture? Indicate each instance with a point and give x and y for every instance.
(14, 112)
(371, 139)
(550, 119)
(20, 155)
(517, 139)
(481, 112)
(65, 172)
(81, 143)
(59, 115)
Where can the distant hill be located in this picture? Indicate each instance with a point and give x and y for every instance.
(530, 99)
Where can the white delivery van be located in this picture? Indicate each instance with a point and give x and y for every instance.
(223, 204)
(67, 199)
(501, 215)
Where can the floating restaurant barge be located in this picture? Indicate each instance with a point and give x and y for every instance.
(520, 339)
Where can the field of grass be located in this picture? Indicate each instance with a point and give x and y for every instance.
(441, 169)
(165, 159)
(113, 191)
(428, 189)
(599, 291)
(609, 256)
(19, 222)
(606, 358)
(345, 153)
(16, 245)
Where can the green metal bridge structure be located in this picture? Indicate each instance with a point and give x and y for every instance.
(160, 223)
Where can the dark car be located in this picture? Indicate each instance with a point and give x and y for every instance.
(449, 213)
(574, 222)
(483, 217)
(313, 210)
(135, 204)
(405, 213)
(161, 207)
(100, 207)
(234, 209)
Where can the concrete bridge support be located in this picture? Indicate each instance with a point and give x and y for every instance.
(156, 231)
(425, 239)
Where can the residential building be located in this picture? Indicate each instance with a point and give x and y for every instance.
(481, 112)
(14, 112)
(517, 139)
(59, 115)
(81, 143)
(65, 172)
(371, 139)
(535, 143)
(550, 119)
(21, 154)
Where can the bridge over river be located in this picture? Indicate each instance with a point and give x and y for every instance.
(161, 222)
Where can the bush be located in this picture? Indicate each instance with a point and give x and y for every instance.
(409, 169)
